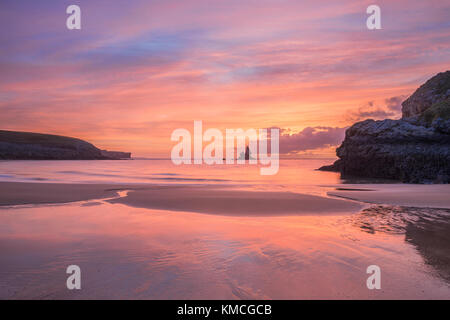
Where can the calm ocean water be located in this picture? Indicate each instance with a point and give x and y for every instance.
(294, 175)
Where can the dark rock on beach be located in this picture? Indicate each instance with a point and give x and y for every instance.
(414, 149)
(36, 146)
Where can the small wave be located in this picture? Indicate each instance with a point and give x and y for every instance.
(191, 179)
(89, 174)
(169, 178)
(12, 178)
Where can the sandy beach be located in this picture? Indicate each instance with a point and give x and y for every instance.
(202, 199)
(226, 200)
(412, 195)
(128, 252)
(194, 236)
(18, 193)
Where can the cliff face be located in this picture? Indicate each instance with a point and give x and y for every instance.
(414, 149)
(35, 146)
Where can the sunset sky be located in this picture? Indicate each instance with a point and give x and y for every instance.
(138, 69)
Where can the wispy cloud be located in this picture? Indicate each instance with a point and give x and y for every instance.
(310, 138)
(235, 63)
(389, 108)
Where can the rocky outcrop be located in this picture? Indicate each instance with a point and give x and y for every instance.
(433, 91)
(36, 146)
(116, 154)
(395, 149)
(414, 149)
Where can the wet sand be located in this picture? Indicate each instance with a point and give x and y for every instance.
(18, 193)
(253, 245)
(201, 199)
(135, 253)
(428, 230)
(235, 202)
(412, 195)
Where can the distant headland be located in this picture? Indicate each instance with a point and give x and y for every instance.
(37, 146)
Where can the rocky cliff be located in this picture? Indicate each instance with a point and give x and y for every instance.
(36, 146)
(431, 93)
(414, 149)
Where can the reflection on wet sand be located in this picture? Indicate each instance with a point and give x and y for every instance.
(136, 253)
(425, 228)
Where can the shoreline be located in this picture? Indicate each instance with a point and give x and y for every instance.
(226, 200)
(434, 196)
(40, 241)
(200, 199)
(33, 193)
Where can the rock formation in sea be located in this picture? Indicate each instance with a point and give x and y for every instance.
(36, 146)
(413, 149)
(246, 155)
